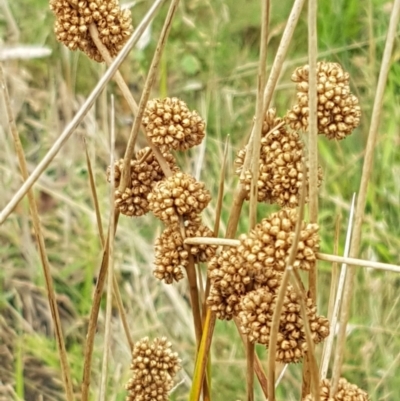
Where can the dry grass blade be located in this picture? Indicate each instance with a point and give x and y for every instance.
(334, 319)
(281, 296)
(94, 312)
(66, 374)
(70, 128)
(362, 193)
(110, 274)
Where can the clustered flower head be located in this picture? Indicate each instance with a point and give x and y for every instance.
(178, 195)
(73, 18)
(255, 316)
(154, 367)
(259, 259)
(280, 164)
(171, 125)
(145, 173)
(338, 111)
(172, 256)
(346, 392)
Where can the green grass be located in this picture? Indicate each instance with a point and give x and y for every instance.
(211, 62)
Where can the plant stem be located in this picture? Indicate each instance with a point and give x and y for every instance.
(362, 193)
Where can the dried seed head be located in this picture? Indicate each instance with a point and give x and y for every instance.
(281, 164)
(73, 19)
(154, 367)
(171, 255)
(255, 316)
(178, 195)
(338, 111)
(346, 392)
(145, 173)
(171, 125)
(267, 246)
(229, 275)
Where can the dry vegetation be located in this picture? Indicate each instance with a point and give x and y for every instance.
(179, 155)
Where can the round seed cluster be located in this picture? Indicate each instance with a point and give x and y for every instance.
(256, 311)
(346, 392)
(172, 256)
(259, 260)
(178, 195)
(154, 367)
(145, 172)
(280, 166)
(338, 111)
(74, 17)
(171, 125)
(268, 244)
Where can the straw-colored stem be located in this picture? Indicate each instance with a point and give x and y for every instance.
(110, 273)
(137, 111)
(310, 355)
(116, 290)
(281, 296)
(86, 106)
(362, 193)
(65, 369)
(328, 344)
(313, 160)
(94, 312)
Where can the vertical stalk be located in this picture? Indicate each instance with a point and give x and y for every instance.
(362, 193)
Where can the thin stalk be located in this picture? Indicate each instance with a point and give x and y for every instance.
(362, 193)
(94, 312)
(86, 106)
(313, 160)
(110, 273)
(259, 117)
(116, 290)
(276, 69)
(65, 369)
(328, 344)
(281, 296)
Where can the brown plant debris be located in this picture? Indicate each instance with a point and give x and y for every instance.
(338, 111)
(145, 173)
(171, 125)
(281, 164)
(346, 392)
(73, 18)
(172, 256)
(256, 311)
(154, 367)
(178, 195)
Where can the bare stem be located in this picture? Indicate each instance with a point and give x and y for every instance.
(362, 193)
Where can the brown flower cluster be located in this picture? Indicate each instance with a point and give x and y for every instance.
(346, 392)
(171, 125)
(280, 166)
(256, 311)
(172, 256)
(154, 367)
(145, 173)
(259, 259)
(178, 195)
(73, 18)
(338, 111)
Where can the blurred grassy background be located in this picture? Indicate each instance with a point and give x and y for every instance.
(210, 62)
